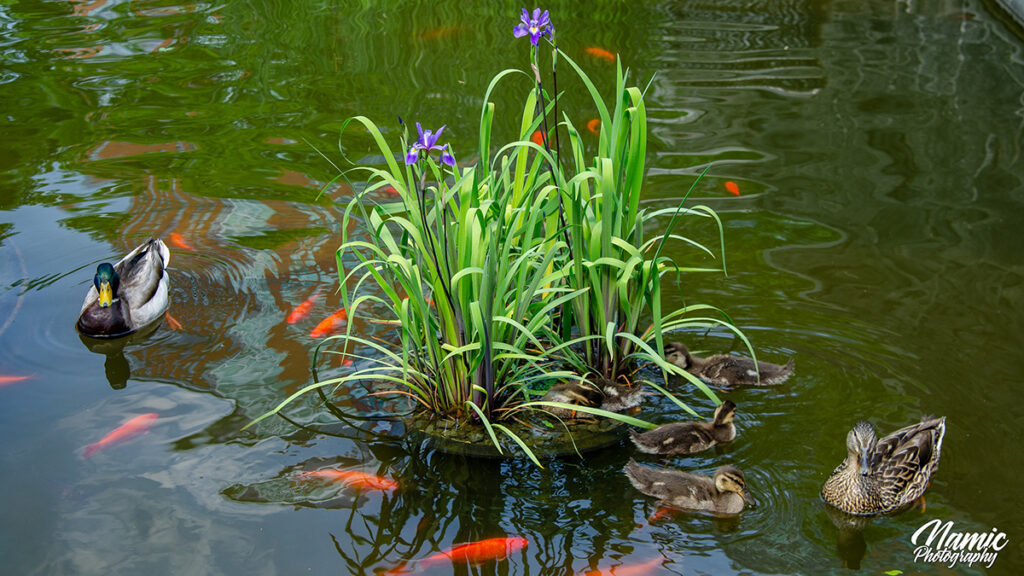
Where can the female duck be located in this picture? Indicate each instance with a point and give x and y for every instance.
(689, 437)
(727, 371)
(887, 475)
(724, 494)
(128, 295)
(602, 393)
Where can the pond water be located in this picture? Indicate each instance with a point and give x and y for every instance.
(877, 147)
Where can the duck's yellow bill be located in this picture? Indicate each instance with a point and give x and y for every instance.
(106, 294)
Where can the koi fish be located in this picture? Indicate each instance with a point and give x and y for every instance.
(353, 478)
(130, 429)
(600, 53)
(660, 513)
(440, 32)
(390, 190)
(329, 324)
(733, 188)
(649, 567)
(347, 362)
(179, 241)
(171, 322)
(537, 138)
(473, 552)
(594, 125)
(5, 380)
(302, 310)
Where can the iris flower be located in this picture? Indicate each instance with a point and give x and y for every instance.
(537, 26)
(428, 143)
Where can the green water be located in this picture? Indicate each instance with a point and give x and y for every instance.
(877, 147)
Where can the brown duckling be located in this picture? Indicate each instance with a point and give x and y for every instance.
(688, 437)
(603, 394)
(727, 371)
(887, 475)
(725, 493)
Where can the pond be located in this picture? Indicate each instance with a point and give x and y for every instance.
(877, 150)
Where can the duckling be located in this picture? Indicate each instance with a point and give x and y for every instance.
(689, 437)
(887, 475)
(727, 371)
(128, 295)
(603, 394)
(725, 493)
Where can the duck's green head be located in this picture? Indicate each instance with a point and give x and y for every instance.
(107, 282)
(860, 443)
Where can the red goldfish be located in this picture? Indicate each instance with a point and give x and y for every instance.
(391, 190)
(600, 53)
(474, 552)
(179, 241)
(594, 125)
(537, 138)
(649, 567)
(5, 380)
(329, 324)
(130, 429)
(354, 478)
(732, 188)
(300, 311)
(663, 512)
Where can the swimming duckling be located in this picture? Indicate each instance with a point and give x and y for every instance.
(725, 493)
(887, 475)
(688, 437)
(128, 295)
(727, 371)
(603, 394)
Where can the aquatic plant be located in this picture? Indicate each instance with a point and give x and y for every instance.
(522, 270)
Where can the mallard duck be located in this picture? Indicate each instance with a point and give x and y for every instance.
(887, 475)
(688, 437)
(725, 493)
(602, 393)
(727, 371)
(128, 295)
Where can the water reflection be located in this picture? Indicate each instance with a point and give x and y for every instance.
(116, 366)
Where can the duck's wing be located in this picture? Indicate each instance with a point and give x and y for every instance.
(144, 283)
(676, 438)
(905, 460)
(675, 486)
(725, 371)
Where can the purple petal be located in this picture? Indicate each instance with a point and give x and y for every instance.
(544, 20)
(446, 157)
(520, 30)
(526, 17)
(412, 156)
(420, 128)
(534, 38)
(439, 131)
(536, 15)
(429, 138)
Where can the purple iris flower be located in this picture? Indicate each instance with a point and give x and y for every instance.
(537, 26)
(428, 143)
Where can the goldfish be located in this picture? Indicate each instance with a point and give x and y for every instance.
(732, 188)
(329, 324)
(474, 552)
(663, 512)
(537, 138)
(354, 478)
(179, 241)
(391, 190)
(5, 380)
(347, 362)
(300, 311)
(649, 567)
(440, 32)
(594, 125)
(600, 53)
(130, 429)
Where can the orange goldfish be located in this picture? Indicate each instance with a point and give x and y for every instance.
(663, 512)
(130, 429)
(391, 190)
(600, 53)
(300, 311)
(5, 380)
(594, 125)
(329, 324)
(354, 478)
(179, 241)
(649, 567)
(474, 552)
(537, 137)
(440, 32)
(732, 188)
